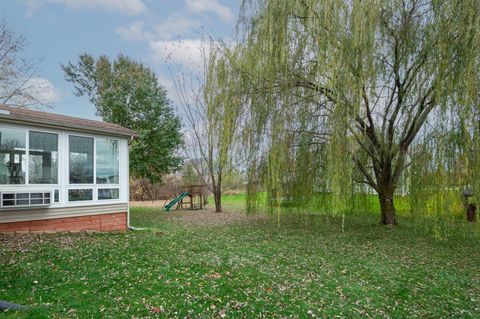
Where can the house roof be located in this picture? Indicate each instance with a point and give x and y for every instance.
(28, 116)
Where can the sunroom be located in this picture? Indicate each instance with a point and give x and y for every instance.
(60, 173)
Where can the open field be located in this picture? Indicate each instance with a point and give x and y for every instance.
(203, 265)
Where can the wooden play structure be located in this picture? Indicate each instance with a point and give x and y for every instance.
(192, 197)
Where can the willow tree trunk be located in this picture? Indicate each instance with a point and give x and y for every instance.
(387, 207)
(217, 194)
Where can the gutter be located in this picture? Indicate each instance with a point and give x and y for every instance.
(128, 185)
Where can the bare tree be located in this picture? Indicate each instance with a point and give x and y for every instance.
(211, 115)
(18, 85)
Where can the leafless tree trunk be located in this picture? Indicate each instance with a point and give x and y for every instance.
(212, 114)
(18, 87)
(200, 147)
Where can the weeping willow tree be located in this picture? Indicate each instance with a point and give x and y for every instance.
(339, 91)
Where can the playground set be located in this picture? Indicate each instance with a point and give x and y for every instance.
(192, 197)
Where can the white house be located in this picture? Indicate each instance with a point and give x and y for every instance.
(61, 173)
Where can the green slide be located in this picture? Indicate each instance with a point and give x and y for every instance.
(175, 201)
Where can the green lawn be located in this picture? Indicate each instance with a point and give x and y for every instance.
(365, 204)
(307, 267)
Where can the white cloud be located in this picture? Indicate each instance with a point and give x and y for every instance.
(166, 83)
(201, 6)
(42, 90)
(129, 7)
(134, 32)
(176, 24)
(169, 85)
(188, 53)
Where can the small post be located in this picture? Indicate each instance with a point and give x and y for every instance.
(471, 216)
(469, 207)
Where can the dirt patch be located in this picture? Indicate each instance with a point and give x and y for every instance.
(19, 242)
(203, 217)
(25, 242)
(211, 218)
(150, 203)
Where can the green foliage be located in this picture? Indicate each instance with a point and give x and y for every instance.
(251, 270)
(223, 106)
(234, 181)
(190, 175)
(127, 93)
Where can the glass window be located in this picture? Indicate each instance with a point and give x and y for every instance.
(108, 193)
(81, 160)
(75, 195)
(43, 158)
(8, 199)
(12, 156)
(107, 161)
(56, 195)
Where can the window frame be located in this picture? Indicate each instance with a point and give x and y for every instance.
(109, 188)
(27, 131)
(96, 159)
(26, 168)
(94, 193)
(28, 158)
(94, 175)
(94, 186)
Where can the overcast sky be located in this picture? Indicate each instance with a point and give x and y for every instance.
(160, 33)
